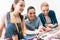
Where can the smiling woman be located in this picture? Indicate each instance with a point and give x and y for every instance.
(13, 21)
(33, 23)
(5, 6)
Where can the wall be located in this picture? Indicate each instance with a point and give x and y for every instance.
(5, 6)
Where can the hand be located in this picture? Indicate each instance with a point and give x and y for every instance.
(36, 31)
(48, 29)
(41, 31)
(49, 25)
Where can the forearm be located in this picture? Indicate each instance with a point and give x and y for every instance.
(40, 27)
(55, 25)
(29, 32)
(52, 25)
(26, 31)
(2, 26)
(0, 33)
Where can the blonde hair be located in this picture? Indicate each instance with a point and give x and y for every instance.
(44, 4)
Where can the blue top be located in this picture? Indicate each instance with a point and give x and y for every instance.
(32, 25)
(11, 29)
(52, 16)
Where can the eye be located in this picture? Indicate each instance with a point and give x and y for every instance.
(47, 10)
(30, 13)
(34, 12)
(22, 5)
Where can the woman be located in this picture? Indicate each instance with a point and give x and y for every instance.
(13, 21)
(33, 23)
(47, 16)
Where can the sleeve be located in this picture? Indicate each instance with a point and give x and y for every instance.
(54, 17)
(42, 19)
(40, 23)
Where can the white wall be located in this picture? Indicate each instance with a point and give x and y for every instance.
(5, 6)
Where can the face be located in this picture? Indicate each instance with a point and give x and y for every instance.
(19, 7)
(45, 10)
(31, 14)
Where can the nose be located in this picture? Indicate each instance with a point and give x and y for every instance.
(33, 15)
(22, 8)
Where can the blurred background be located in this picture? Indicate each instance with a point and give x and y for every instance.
(5, 6)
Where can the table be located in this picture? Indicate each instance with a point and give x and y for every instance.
(51, 35)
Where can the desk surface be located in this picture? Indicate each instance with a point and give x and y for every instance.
(51, 34)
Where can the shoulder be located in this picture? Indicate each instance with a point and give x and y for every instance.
(37, 19)
(40, 15)
(4, 17)
(51, 12)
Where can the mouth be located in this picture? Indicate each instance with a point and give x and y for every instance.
(20, 10)
(33, 17)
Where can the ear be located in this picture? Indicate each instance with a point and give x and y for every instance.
(40, 7)
(14, 5)
(27, 15)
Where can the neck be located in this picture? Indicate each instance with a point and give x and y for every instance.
(31, 19)
(15, 14)
(46, 15)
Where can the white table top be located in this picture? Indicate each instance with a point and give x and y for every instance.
(49, 34)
